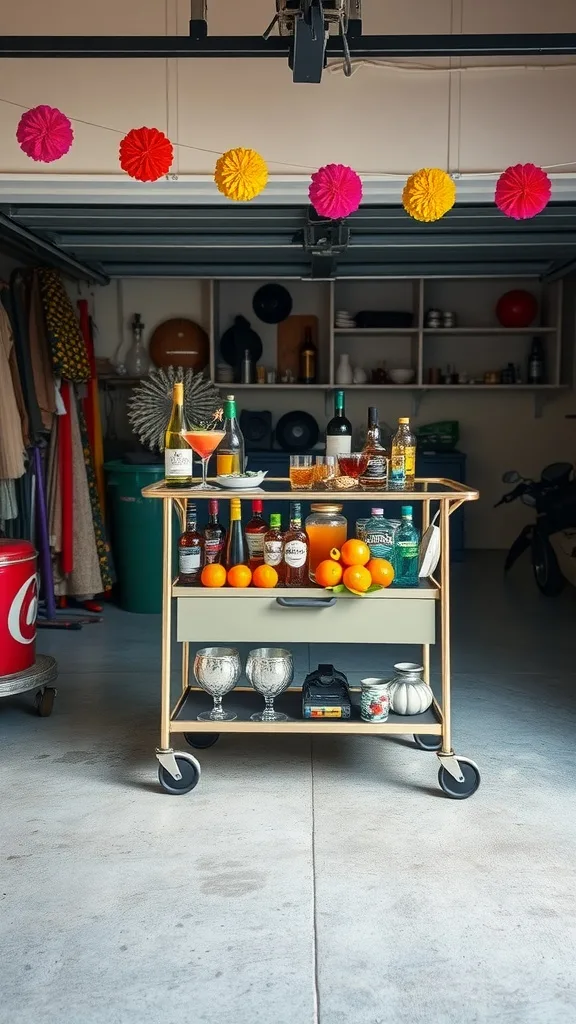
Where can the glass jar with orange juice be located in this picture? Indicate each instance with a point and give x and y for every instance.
(327, 528)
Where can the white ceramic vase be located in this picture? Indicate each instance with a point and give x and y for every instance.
(344, 373)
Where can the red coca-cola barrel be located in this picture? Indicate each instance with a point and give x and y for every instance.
(18, 606)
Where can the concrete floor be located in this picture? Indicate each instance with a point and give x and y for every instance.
(300, 882)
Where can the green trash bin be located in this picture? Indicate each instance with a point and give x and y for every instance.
(136, 535)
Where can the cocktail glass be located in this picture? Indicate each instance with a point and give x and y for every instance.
(217, 670)
(354, 464)
(204, 443)
(270, 671)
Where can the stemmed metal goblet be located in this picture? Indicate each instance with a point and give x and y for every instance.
(217, 670)
(270, 671)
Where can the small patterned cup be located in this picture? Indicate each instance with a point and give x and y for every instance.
(374, 700)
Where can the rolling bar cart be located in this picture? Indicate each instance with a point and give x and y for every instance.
(308, 615)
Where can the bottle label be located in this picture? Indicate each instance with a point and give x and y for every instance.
(189, 560)
(255, 543)
(213, 549)
(339, 444)
(381, 542)
(397, 469)
(177, 462)
(295, 553)
(273, 552)
(408, 548)
(377, 468)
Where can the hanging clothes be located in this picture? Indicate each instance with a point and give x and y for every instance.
(12, 450)
(16, 303)
(40, 354)
(91, 405)
(69, 356)
(102, 545)
(67, 471)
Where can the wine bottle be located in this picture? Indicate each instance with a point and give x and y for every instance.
(230, 455)
(308, 358)
(339, 429)
(255, 530)
(178, 454)
(214, 535)
(236, 547)
(296, 550)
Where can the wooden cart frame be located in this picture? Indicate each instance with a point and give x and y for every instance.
(309, 615)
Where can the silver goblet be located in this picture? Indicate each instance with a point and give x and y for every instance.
(217, 670)
(270, 671)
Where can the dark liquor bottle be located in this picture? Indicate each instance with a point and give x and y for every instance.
(308, 359)
(236, 547)
(536, 362)
(190, 550)
(296, 550)
(274, 544)
(255, 531)
(375, 476)
(339, 429)
(214, 535)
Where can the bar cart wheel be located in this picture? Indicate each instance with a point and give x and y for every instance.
(425, 742)
(45, 701)
(190, 771)
(460, 790)
(201, 740)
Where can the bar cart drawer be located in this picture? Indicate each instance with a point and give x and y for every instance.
(385, 617)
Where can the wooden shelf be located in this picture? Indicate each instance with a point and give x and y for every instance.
(374, 331)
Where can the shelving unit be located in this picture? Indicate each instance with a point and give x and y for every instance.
(309, 615)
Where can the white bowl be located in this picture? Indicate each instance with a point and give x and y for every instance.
(241, 483)
(401, 376)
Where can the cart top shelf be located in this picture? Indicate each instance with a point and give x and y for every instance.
(433, 489)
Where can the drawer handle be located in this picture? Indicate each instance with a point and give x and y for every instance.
(306, 602)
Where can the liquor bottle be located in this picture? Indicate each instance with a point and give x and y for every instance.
(378, 534)
(296, 550)
(214, 535)
(190, 550)
(236, 547)
(230, 454)
(255, 531)
(536, 362)
(339, 429)
(274, 544)
(375, 476)
(402, 457)
(178, 454)
(308, 358)
(406, 551)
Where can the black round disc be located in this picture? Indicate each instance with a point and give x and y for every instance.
(426, 742)
(459, 790)
(272, 303)
(201, 740)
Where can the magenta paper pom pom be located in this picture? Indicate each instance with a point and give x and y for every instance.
(522, 191)
(335, 191)
(44, 133)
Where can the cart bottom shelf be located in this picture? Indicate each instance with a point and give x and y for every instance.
(245, 702)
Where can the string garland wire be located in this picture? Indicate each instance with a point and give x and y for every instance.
(393, 175)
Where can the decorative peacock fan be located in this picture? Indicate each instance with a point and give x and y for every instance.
(150, 404)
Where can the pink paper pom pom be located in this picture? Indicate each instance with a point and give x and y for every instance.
(522, 191)
(44, 133)
(335, 191)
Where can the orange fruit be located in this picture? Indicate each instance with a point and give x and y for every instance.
(239, 576)
(356, 577)
(328, 573)
(381, 571)
(213, 576)
(265, 576)
(355, 552)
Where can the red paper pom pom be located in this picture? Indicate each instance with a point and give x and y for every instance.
(146, 154)
(335, 191)
(44, 133)
(522, 191)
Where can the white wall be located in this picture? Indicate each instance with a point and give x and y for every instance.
(380, 120)
(499, 431)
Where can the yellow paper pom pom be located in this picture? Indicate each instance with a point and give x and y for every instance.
(241, 174)
(428, 194)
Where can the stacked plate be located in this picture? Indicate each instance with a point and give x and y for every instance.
(344, 319)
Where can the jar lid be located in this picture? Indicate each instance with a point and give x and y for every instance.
(16, 551)
(326, 507)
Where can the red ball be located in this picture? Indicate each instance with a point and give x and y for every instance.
(517, 308)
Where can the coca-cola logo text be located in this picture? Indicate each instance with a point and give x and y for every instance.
(23, 611)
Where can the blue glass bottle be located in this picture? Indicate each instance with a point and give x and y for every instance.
(406, 551)
(378, 534)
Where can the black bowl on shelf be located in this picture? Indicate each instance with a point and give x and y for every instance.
(297, 431)
(272, 303)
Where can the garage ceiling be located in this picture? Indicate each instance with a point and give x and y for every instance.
(216, 241)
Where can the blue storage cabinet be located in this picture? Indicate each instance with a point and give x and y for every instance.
(451, 465)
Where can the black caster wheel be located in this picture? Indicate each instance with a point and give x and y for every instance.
(426, 742)
(190, 769)
(45, 701)
(201, 740)
(460, 790)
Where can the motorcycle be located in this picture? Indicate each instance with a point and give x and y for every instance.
(552, 538)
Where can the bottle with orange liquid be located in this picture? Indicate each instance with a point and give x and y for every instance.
(327, 528)
(230, 457)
